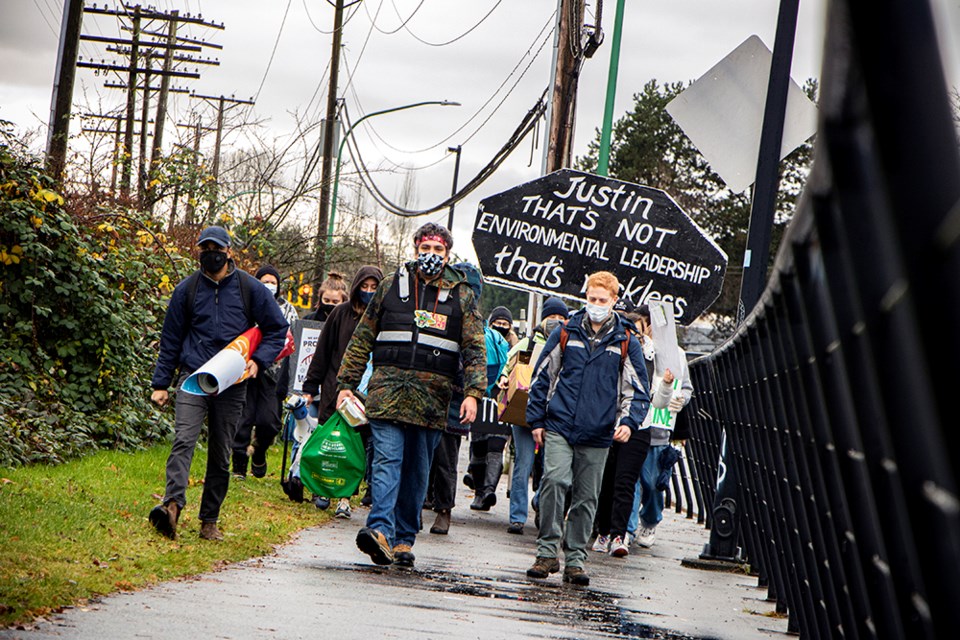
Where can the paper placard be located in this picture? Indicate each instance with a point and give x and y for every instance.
(306, 334)
(665, 339)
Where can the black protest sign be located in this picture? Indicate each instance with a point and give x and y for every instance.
(549, 234)
(487, 422)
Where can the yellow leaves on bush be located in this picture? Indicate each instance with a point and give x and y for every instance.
(46, 196)
(106, 227)
(144, 237)
(12, 255)
(165, 285)
(36, 221)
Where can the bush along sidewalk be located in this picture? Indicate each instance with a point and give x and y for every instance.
(79, 530)
(82, 295)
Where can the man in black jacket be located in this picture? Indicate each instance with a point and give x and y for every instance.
(206, 312)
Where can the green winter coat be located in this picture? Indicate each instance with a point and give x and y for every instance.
(405, 395)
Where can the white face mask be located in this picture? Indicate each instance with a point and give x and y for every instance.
(272, 288)
(597, 313)
(648, 349)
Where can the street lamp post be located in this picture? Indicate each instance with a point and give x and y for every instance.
(336, 177)
(456, 175)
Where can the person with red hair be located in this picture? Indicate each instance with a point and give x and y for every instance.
(589, 390)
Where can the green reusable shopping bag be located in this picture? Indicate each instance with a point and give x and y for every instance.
(333, 459)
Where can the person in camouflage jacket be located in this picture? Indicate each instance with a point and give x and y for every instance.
(422, 321)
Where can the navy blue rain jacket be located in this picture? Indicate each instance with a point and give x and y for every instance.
(218, 317)
(583, 395)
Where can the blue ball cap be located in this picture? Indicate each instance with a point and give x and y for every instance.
(214, 234)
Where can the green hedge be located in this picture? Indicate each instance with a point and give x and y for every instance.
(82, 296)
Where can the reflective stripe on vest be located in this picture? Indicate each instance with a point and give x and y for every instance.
(406, 337)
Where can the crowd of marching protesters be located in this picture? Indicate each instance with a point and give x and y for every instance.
(588, 452)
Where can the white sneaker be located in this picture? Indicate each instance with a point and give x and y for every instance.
(602, 544)
(646, 536)
(618, 548)
(629, 539)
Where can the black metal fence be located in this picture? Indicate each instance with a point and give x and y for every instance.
(837, 394)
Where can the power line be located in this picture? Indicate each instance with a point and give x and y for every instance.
(403, 22)
(274, 51)
(346, 20)
(527, 124)
(549, 21)
(451, 41)
(364, 47)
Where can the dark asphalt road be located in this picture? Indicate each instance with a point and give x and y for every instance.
(469, 584)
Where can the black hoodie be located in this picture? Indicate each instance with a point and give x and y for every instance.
(336, 334)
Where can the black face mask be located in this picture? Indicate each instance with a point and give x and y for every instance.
(326, 308)
(213, 261)
(504, 331)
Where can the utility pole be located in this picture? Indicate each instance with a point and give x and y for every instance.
(456, 176)
(164, 90)
(568, 55)
(131, 105)
(223, 104)
(197, 132)
(329, 133)
(144, 112)
(61, 101)
(569, 58)
(116, 133)
(142, 38)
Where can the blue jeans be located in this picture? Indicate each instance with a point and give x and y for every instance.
(651, 513)
(524, 448)
(402, 455)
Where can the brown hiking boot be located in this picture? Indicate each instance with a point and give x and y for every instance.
(543, 567)
(442, 524)
(577, 576)
(209, 531)
(403, 556)
(374, 544)
(164, 519)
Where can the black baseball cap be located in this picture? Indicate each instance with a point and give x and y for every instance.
(214, 234)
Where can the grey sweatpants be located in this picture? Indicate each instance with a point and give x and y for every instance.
(566, 466)
(223, 414)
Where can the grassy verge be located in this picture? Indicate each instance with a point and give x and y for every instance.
(79, 530)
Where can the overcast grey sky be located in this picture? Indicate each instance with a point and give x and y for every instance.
(668, 40)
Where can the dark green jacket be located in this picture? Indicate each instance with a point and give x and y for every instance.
(406, 395)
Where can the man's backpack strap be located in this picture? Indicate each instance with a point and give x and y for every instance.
(246, 295)
(193, 283)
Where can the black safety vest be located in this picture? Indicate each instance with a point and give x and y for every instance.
(403, 344)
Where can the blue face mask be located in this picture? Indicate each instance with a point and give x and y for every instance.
(366, 297)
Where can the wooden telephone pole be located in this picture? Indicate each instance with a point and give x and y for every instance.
(329, 135)
(59, 126)
(140, 66)
(568, 56)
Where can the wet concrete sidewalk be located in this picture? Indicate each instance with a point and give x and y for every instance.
(468, 584)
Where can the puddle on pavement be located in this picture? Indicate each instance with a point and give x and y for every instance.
(580, 608)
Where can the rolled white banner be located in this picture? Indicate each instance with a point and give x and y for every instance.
(226, 368)
(217, 374)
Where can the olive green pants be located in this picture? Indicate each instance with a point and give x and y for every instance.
(568, 467)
